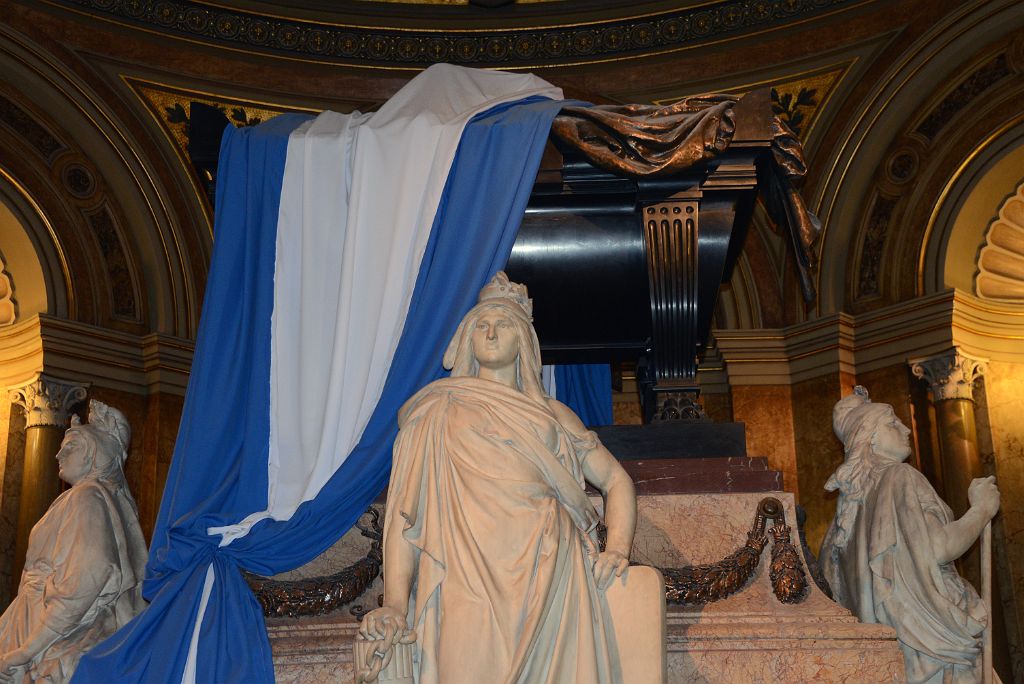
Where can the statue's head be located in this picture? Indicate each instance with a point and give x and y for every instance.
(873, 438)
(498, 332)
(96, 450)
(870, 430)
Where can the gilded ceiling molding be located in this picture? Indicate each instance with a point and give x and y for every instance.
(1001, 260)
(170, 107)
(404, 48)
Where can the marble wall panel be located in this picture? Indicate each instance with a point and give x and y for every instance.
(626, 407)
(1001, 440)
(154, 420)
(818, 452)
(767, 413)
(718, 406)
(12, 455)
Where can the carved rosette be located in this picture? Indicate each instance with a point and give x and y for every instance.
(950, 376)
(47, 401)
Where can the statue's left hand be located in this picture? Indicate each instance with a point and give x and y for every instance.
(607, 566)
(10, 661)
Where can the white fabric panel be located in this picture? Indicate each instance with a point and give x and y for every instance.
(359, 199)
(548, 380)
(188, 675)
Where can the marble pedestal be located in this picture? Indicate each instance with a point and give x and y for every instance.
(751, 636)
(747, 637)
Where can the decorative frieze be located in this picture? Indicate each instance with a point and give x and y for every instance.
(47, 401)
(950, 376)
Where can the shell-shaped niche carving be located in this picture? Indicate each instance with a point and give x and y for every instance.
(8, 312)
(1001, 260)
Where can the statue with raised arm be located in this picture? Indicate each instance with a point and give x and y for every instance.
(491, 560)
(889, 552)
(85, 561)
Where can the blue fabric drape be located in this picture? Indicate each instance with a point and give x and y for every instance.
(587, 389)
(219, 471)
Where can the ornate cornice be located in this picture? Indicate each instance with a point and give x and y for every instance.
(405, 48)
(950, 376)
(47, 402)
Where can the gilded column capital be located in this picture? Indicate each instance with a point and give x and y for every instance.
(47, 401)
(951, 375)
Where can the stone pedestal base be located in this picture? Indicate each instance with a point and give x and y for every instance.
(751, 636)
(313, 650)
(747, 637)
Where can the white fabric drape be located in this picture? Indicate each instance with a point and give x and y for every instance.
(357, 204)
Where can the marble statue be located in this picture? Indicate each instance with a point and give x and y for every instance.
(491, 562)
(889, 552)
(85, 560)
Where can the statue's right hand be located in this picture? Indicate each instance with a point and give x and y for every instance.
(984, 495)
(386, 624)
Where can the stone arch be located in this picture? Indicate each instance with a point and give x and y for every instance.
(897, 149)
(135, 241)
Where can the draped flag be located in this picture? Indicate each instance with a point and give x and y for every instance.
(347, 248)
(586, 388)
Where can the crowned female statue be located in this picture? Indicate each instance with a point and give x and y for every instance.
(889, 552)
(490, 553)
(85, 560)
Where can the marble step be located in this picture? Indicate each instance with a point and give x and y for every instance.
(701, 475)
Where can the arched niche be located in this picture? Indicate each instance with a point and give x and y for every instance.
(974, 204)
(32, 261)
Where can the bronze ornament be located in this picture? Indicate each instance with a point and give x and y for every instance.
(700, 584)
(649, 141)
(321, 595)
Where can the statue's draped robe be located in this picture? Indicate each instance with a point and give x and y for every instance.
(83, 575)
(492, 492)
(888, 573)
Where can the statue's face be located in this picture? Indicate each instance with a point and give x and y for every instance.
(892, 439)
(495, 343)
(73, 458)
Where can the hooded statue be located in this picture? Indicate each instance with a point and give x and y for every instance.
(490, 550)
(85, 560)
(888, 555)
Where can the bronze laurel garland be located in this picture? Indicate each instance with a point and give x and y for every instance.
(700, 584)
(320, 595)
(690, 585)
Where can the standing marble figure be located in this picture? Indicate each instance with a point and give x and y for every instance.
(889, 552)
(490, 553)
(85, 560)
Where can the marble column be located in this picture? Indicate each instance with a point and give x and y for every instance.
(47, 403)
(951, 378)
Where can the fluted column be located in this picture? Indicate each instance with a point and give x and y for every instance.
(47, 403)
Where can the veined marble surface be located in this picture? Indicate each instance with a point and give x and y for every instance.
(747, 637)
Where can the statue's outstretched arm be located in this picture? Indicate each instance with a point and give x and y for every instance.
(602, 470)
(952, 540)
(388, 623)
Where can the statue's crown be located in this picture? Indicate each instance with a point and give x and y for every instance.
(501, 287)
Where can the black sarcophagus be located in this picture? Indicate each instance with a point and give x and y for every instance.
(636, 218)
(625, 249)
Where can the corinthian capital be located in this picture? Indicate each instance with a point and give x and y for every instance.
(951, 375)
(47, 401)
